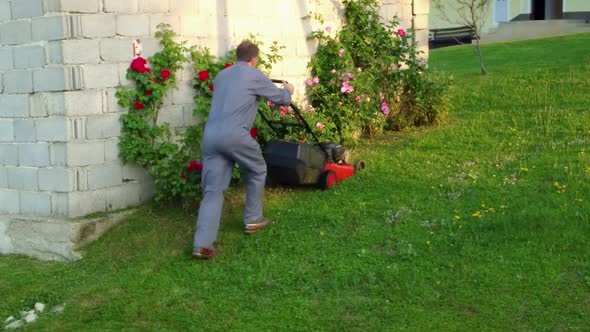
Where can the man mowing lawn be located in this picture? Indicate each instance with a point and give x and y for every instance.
(227, 140)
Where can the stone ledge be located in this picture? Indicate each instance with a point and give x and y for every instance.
(53, 239)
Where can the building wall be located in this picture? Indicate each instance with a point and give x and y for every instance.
(519, 10)
(61, 62)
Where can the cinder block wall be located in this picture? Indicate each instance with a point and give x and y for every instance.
(60, 64)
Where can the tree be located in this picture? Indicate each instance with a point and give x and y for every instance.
(471, 13)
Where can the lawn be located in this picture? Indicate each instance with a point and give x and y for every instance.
(482, 223)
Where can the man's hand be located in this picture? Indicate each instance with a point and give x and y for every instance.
(289, 87)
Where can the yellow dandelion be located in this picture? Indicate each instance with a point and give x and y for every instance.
(503, 206)
(476, 214)
(524, 169)
(456, 218)
(491, 210)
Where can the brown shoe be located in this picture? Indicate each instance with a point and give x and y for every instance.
(255, 227)
(204, 253)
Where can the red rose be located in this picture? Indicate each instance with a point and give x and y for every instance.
(138, 65)
(148, 92)
(193, 165)
(253, 132)
(139, 105)
(203, 75)
(165, 74)
(227, 65)
(211, 87)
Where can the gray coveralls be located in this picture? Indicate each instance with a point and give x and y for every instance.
(227, 140)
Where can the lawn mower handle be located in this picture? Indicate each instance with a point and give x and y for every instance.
(299, 116)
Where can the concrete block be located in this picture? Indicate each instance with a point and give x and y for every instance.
(104, 176)
(24, 130)
(75, 6)
(58, 154)
(35, 203)
(118, 6)
(133, 25)
(26, 8)
(111, 102)
(79, 103)
(54, 53)
(23, 178)
(33, 154)
(421, 22)
(132, 172)
(82, 179)
(43, 104)
(14, 106)
(421, 7)
(29, 57)
(8, 154)
(58, 79)
(103, 126)
(6, 130)
(86, 202)
(173, 115)
(117, 50)
(101, 76)
(81, 51)
(57, 179)
(49, 28)
(124, 196)
(184, 94)
(9, 202)
(111, 150)
(154, 6)
(156, 20)
(184, 7)
(60, 204)
(15, 32)
(99, 26)
(194, 26)
(150, 47)
(189, 118)
(3, 177)
(18, 81)
(123, 68)
(4, 10)
(78, 129)
(85, 154)
(6, 58)
(52, 129)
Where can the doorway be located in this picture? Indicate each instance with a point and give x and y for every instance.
(547, 9)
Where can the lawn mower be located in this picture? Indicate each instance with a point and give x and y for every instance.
(321, 164)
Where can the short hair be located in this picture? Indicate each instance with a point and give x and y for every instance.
(247, 51)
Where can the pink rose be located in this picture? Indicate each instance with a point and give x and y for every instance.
(320, 125)
(328, 28)
(401, 32)
(337, 39)
(341, 52)
(316, 80)
(359, 99)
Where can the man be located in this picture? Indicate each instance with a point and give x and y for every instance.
(227, 140)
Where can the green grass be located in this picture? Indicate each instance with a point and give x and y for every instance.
(459, 227)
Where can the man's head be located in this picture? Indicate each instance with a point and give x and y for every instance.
(248, 52)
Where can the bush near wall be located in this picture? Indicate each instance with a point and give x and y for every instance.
(365, 78)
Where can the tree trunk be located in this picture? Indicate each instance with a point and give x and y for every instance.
(481, 66)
